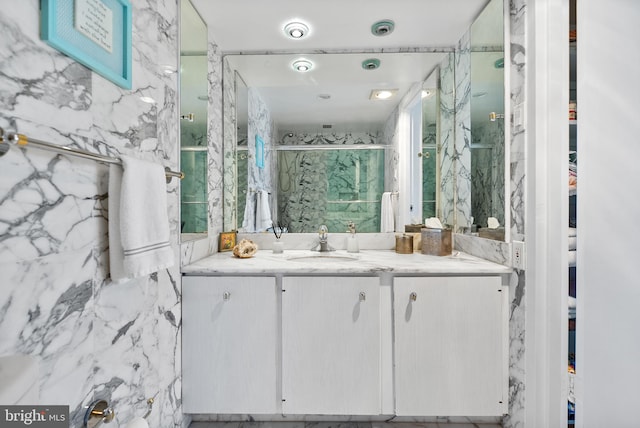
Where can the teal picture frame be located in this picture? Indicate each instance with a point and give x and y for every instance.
(58, 28)
(259, 152)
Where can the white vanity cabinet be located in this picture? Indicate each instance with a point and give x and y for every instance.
(450, 346)
(230, 339)
(331, 345)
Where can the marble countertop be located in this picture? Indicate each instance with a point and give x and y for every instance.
(305, 262)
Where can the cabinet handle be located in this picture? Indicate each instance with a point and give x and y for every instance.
(363, 296)
(413, 296)
(226, 295)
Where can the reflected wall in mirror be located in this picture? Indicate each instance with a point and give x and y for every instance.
(430, 141)
(331, 150)
(488, 120)
(193, 122)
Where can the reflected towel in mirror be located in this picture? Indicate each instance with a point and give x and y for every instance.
(387, 220)
(263, 212)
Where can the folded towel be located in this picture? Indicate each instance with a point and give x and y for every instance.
(263, 212)
(573, 242)
(387, 220)
(572, 308)
(573, 231)
(138, 211)
(572, 258)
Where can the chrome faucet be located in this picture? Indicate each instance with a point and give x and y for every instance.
(323, 240)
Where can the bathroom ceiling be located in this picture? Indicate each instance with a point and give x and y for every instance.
(256, 26)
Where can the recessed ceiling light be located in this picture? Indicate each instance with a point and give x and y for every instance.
(296, 30)
(147, 100)
(383, 27)
(382, 94)
(302, 65)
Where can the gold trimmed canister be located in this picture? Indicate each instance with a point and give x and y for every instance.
(404, 244)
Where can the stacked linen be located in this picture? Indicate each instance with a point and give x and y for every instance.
(573, 239)
(572, 308)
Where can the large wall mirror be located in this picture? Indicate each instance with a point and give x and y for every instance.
(328, 146)
(488, 120)
(193, 123)
(320, 149)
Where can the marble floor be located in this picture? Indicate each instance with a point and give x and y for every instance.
(441, 423)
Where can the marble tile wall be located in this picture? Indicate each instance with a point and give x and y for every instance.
(447, 137)
(230, 126)
(463, 132)
(260, 178)
(195, 249)
(93, 339)
(314, 138)
(500, 251)
(518, 83)
(313, 187)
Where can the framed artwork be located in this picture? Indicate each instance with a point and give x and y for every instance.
(259, 152)
(227, 241)
(96, 33)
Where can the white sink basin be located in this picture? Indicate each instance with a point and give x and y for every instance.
(323, 257)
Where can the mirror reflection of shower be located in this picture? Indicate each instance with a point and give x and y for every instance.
(193, 123)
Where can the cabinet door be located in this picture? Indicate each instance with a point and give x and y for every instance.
(229, 341)
(331, 345)
(450, 357)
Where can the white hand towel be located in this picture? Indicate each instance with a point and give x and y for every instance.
(263, 212)
(143, 220)
(249, 221)
(387, 220)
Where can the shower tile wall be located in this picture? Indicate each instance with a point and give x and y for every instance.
(487, 172)
(193, 153)
(93, 339)
(330, 187)
(429, 167)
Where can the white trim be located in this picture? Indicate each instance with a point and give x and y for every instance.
(546, 218)
(506, 22)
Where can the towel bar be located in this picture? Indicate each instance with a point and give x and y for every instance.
(22, 140)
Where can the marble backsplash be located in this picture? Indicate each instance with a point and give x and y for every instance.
(92, 338)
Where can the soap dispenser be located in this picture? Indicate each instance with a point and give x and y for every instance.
(352, 239)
